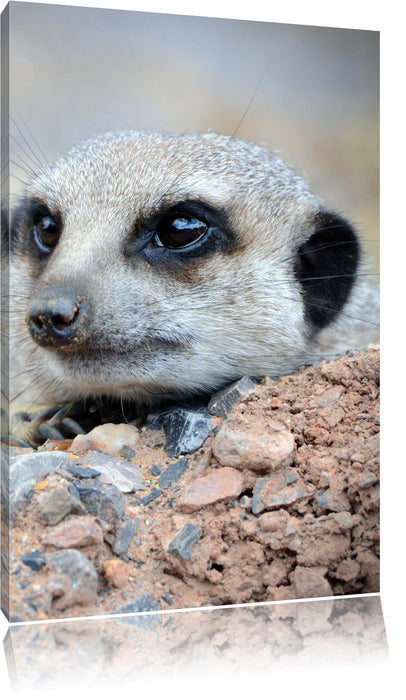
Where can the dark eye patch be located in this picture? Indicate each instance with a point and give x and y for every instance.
(35, 228)
(181, 233)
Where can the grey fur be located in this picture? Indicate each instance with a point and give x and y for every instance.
(241, 314)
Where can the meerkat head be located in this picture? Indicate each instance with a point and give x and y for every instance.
(153, 265)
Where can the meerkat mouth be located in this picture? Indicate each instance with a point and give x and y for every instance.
(105, 360)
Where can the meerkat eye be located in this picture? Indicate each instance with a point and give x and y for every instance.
(46, 233)
(179, 231)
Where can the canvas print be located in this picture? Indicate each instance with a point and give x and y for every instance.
(190, 371)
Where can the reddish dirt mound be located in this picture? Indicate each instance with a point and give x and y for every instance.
(281, 501)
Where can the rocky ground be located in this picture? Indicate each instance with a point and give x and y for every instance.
(271, 493)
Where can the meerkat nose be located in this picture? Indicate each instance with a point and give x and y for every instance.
(56, 317)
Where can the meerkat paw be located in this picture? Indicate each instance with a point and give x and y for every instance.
(31, 428)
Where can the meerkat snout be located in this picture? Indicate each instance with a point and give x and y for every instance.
(56, 316)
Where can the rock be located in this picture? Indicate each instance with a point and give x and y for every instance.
(72, 580)
(347, 570)
(34, 560)
(222, 402)
(57, 505)
(182, 544)
(334, 497)
(367, 479)
(153, 494)
(117, 572)
(328, 398)
(245, 501)
(273, 521)
(344, 520)
(104, 501)
(124, 536)
(127, 452)
(223, 484)
(76, 532)
(310, 582)
(186, 430)
(108, 438)
(173, 473)
(238, 445)
(82, 472)
(167, 598)
(155, 419)
(125, 477)
(280, 489)
(27, 470)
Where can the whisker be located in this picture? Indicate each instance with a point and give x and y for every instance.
(35, 155)
(36, 163)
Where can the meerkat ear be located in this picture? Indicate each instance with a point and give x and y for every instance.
(326, 266)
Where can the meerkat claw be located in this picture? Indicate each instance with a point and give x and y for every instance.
(29, 428)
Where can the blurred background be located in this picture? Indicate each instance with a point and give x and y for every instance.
(310, 93)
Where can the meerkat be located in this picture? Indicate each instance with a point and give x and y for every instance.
(147, 267)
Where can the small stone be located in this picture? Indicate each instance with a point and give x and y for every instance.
(153, 494)
(173, 473)
(310, 582)
(167, 598)
(82, 472)
(334, 498)
(344, 520)
(125, 477)
(222, 402)
(182, 544)
(186, 430)
(108, 438)
(367, 479)
(281, 489)
(72, 580)
(73, 491)
(155, 470)
(34, 560)
(223, 484)
(117, 572)
(271, 522)
(127, 452)
(347, 570)
(57, 505)
(103, 501)
(27, 470)
(237, 445)
(245, 502)
(124, 536)
(329, 397)
(76, 532)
